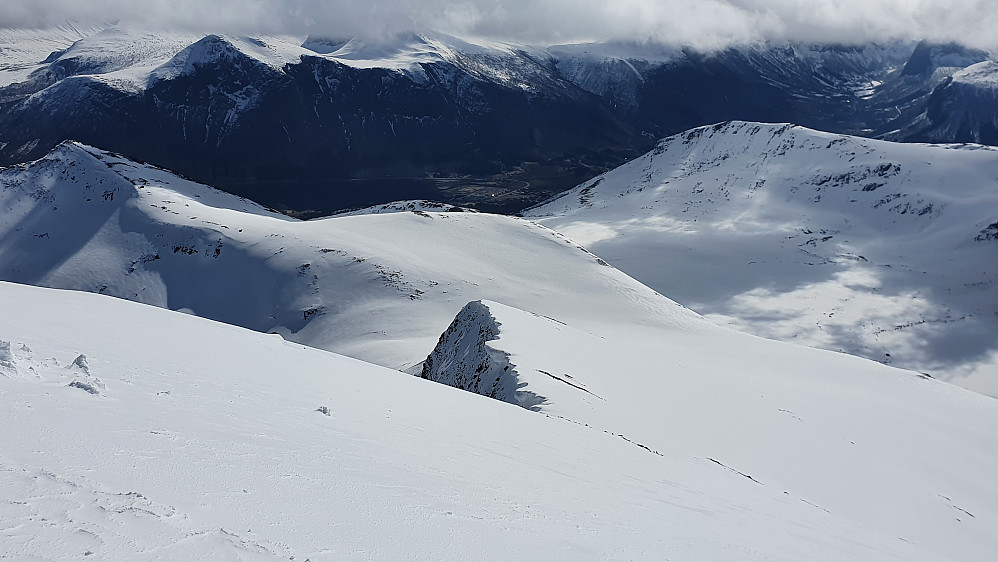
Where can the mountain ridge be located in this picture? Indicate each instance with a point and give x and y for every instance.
(486, 124)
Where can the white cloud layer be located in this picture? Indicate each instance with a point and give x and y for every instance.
(701, 23)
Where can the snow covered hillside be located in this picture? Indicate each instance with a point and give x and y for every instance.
(842, 435)
(380, 287)
(140, 433)
(878, 249)
(141, 58)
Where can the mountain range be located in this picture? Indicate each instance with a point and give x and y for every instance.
(316, 125)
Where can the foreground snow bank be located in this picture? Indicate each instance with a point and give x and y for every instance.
(215, 442)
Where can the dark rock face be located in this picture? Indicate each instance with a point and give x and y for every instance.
(493, 131)
(961, 112)
(463, 359)
(923, 102)
(928, 57)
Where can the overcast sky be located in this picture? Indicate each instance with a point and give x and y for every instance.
(702, 23)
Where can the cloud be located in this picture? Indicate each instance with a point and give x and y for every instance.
(701, 23)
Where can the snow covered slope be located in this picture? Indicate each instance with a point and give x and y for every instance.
(127, 59)
(889, 450)
(515, 66)
(137, 432)
(380, 287)
(209, 441)
(25, 50)
(140, 433)
(878, 249)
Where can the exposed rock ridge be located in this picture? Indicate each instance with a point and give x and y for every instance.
(463, 359)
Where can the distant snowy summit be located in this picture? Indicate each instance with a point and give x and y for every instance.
(880, 249)
(332, 124)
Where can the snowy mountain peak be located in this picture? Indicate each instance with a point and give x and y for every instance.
(133, 60)
(983, 74)
(76, 171)
(841, 170)
(208, 50)
(271, 53)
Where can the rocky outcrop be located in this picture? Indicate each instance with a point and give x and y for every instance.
(464, 359)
